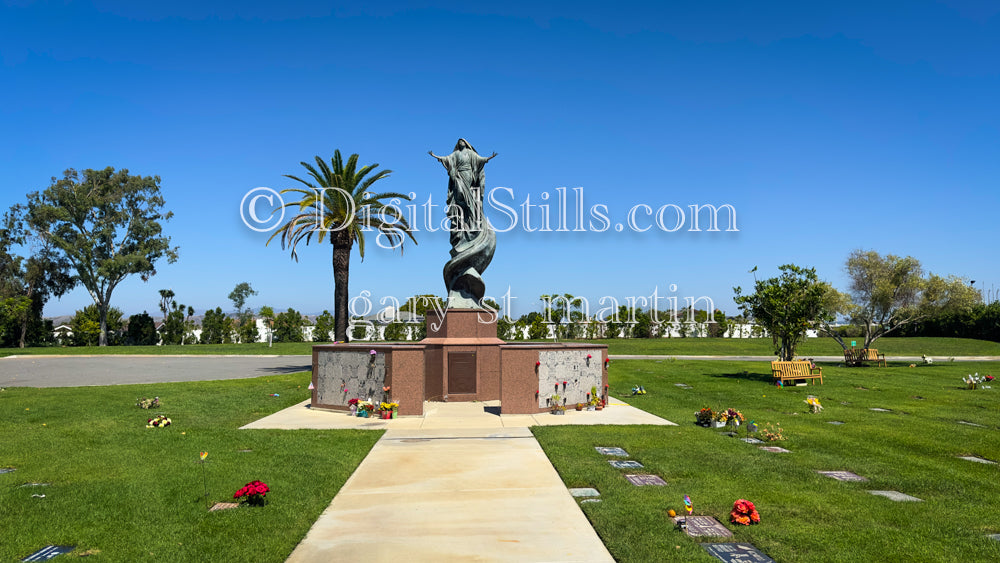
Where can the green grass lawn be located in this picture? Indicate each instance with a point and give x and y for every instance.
(806, 516)
(940, 348)
(137, 494)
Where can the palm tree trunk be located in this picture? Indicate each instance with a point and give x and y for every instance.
(341, 275)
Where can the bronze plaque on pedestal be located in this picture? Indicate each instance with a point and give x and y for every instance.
(461, 373)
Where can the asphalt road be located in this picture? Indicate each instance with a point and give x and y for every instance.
(75, 371)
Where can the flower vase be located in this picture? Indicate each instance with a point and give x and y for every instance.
(394, 413)
(716, 424)
(354, 410)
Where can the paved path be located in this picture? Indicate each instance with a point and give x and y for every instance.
(74, 371)
(458, 484)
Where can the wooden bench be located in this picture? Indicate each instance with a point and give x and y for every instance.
(791, 371)
(872, 355)
(858, 356)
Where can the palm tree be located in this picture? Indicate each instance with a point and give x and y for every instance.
(337, 203)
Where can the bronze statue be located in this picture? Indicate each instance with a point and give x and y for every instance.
(472, 240)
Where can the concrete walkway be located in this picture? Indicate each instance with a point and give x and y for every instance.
(460, 483)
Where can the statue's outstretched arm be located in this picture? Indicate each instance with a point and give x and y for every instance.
(434, 155)
(491, 156)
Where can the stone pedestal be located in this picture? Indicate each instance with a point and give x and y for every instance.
(462, 356)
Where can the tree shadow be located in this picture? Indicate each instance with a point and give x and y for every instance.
(746, 376)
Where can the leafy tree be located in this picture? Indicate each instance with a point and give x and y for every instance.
(166, 300)
(395, 331)
(338, 203)
(216, 327)
(788, 305)
(86, 325)
(418, 304)
(288, 326)
(240, 294)
(141, 330)
(107, 225)
(175, 325)
(323, 328)
(889, 292)
(26, 284)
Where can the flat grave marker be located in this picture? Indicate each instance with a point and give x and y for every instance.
(643, 480)
(7, 470)
(584, 492)
(590, 500)
(967, 423)
(775, 449)
(48, 552)
(842, 475)
(835, 422)
(994, 537)
(896, 496)
(977, 459)
(223, 506)
(879, 409)
(703, 526)
(736, 553)
(682, 385)
(611, 451)
(752, 440)
(36, 484)
(624, 464)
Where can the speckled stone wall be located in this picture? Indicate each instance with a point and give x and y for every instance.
(344, 375)
(573, 368)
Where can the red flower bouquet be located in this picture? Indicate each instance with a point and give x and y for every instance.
(254, 491)
(744, 512)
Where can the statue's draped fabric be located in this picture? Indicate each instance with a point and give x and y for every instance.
(472, 240)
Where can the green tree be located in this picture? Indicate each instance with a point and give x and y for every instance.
(175, 326)
(216, 327)
(141, 330)
(338, 203)
(323, 328)
(288, 326)
(787, 306)
(889, 292)
(28, 283)
(107, 225)
(86, 325)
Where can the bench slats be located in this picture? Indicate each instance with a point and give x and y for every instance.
(790, 371)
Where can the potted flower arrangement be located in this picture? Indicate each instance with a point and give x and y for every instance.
(252, 493)
(704, 417)
(555, 402)
(732, 417)
(579, 406)
(388, 410)
(365, 408)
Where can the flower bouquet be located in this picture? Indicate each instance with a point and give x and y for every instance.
(365, 408)
(814, 406)
(976, 382)
(388, 410)
(772, 433)
(744, 512)
(254, 491)
(144, 403)
(158, 422)
(352, 404)
(704, 416)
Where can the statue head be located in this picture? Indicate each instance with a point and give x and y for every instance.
(463, 144)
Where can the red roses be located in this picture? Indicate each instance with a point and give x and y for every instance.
(255, 491)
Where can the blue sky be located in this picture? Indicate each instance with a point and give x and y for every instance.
(828, 127)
